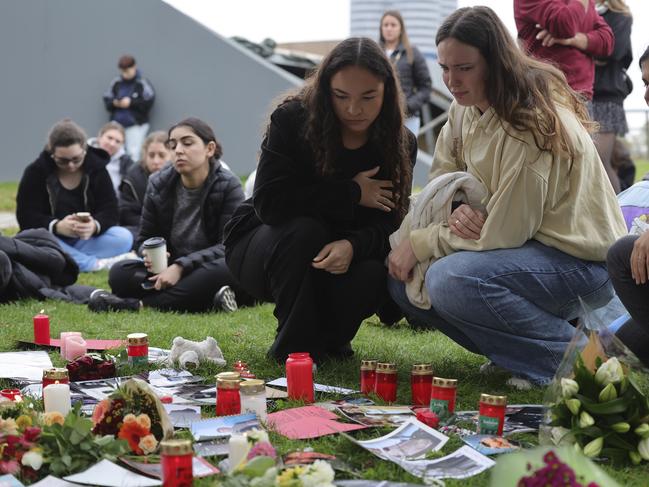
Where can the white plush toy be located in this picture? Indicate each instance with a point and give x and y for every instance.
(188, 353)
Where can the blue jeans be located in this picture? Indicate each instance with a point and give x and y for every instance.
(511, 305)
(134, 138)
(114, 241)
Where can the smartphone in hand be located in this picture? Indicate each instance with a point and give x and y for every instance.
(83, 216)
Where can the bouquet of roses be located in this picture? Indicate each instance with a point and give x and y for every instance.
(91, 366)
(19, 452)
(133, 413)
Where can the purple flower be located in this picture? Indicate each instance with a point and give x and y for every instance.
(262, 449)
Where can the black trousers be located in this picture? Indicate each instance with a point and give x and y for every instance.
(635, 332)
(193, 292)
(317, 312)
(5, 273)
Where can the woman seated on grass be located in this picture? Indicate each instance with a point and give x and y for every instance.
(332, 183)
(68, 191)
(111, 139)
(133, 186)
(188, 204)
(505, 283)
(628, 263)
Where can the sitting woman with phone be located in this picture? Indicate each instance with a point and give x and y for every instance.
(185, 209)
(68, 191)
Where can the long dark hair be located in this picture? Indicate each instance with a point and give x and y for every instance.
(403, 36)
(522, 91)
(387, 134)
(203, 131)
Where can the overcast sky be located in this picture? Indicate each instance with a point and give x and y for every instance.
(284, 21)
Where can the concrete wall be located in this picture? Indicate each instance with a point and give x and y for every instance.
(58, 57)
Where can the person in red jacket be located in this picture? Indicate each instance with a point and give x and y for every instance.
(566, 33)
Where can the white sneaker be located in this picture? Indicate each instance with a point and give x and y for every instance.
(108, 262)
(519, 383)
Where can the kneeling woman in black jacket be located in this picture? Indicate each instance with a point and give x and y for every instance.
(188, 205)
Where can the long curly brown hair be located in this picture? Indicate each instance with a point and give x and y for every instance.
(523, 92)
(387, 133)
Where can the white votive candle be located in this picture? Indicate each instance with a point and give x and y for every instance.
(57, 398)
(237, 450)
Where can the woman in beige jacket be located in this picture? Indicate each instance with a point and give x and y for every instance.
(506, 280)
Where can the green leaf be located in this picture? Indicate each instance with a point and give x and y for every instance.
(618, 441)
(615, 406)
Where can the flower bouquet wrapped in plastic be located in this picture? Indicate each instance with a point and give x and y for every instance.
(133, 413)
(594, 403)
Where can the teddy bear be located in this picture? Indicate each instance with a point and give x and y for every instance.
(189, 353)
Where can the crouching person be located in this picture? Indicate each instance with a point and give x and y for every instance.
(187, 204)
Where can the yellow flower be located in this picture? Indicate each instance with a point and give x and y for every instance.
(129, 418)
(289, 477)
(53, 417)
(23, 421)
(148, 444)
(144, 421)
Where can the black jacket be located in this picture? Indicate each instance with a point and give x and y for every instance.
(287, 186)
(131, 197)
(612, 83)
(222, 193)
(142, 98)
(415, 78)
(37, 267)
(37, 192)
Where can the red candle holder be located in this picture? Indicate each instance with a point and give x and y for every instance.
(42, 329)
(299, 376)
(137, 349)
(228, 399)
(491, 417)
(368, 376)
(442, 396)
(386, 381)
(11, 394)
(176, 457)
(421, 383)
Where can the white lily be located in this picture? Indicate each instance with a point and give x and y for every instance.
(562, 436)
(610, 372)
(643, 448)
(32, 459)
(569, 388)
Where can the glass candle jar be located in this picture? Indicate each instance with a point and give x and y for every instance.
(137, 347)
(176, 457)
(228, 400)
(491, 416)
(368, 376)
(442, 396)
(54, 376)
(386, 381)
(253, 398)
(421, 383)
(299, 376)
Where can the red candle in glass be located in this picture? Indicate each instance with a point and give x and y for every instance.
(11, 394)
(368, 376)
(491, 417)
(55, 376)
(299, 376)
(442, 396)
(137, 348)
(176, 457)
(386, 381)
(228, 399)
(240, 365)
(421, 383)
(42, 329)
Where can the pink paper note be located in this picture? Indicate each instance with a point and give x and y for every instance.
(308, 422)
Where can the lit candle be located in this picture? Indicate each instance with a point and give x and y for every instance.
(75, 346)
(67, 334)
(57, 398)
(42, 328)
(237, 450)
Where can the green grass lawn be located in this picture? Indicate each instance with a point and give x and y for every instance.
(247, 334)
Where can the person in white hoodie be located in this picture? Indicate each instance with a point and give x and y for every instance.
(111, 139)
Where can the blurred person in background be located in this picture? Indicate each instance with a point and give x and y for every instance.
(410, 65)
(111, 139)
(155, 156)
(129, 99)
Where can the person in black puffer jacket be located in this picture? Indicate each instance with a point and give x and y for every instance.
(409, 63)
(155, 156)
(69, 178)
(188, 205)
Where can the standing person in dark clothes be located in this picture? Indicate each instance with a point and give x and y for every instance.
(628, 265)
(155, 156)
(188, 205)
(332, 183)
(409, 63)
(568, 34)
(68, 191)
(129, 99)
(612, 85)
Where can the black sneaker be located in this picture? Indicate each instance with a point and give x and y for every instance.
(102, 301)
(225, 300)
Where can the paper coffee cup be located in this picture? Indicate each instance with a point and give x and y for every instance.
(156, 250)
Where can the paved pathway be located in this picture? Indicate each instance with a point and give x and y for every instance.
(7, 220)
